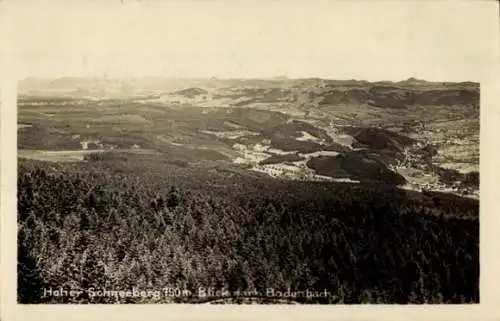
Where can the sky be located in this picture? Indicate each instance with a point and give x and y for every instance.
(370, 40)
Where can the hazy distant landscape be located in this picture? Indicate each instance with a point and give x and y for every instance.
(426, 134)
(367, 189)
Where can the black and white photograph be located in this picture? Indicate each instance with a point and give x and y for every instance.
(269, 153)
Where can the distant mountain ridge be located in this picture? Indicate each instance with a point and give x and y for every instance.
(304, 91)
(65, 81)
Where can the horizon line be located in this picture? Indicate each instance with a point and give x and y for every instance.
(268, 78)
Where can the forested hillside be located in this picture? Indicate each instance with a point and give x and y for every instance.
(116, 224)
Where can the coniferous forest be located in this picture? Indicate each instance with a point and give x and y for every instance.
(121, 224)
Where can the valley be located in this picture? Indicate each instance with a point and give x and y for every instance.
(410, 133)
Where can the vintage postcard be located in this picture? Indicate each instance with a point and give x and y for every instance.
(249, 160)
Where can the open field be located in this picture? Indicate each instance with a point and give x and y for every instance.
(192, 132)
(367, 190)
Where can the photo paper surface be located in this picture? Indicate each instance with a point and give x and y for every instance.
(204, 156)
